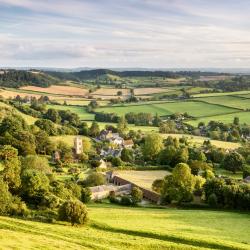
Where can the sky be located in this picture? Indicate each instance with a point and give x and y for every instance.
(125, 33)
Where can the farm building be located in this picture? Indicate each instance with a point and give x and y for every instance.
(103, 191)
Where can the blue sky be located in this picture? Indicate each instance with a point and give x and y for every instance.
(125, 33)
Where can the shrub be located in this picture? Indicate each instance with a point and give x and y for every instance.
(74, 212)
(158, 185)
(212, 200)
(116, 162)
(86, 195)
(94, 179)
(246, 171)
(50, 201)
(136, 195)
(5, 198)
(18, 207)
(126, 201)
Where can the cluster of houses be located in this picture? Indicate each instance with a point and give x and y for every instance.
(116, 142)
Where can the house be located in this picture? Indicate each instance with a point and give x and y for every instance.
(78, 145)
(107, 135)
(103, 164)
(128, 144)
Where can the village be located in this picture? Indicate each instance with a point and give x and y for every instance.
(114, 183)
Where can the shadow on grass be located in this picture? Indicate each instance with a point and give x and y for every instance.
(169, 238)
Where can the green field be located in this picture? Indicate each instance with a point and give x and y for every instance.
(229, 101)
(144, 129)
(193, 108)
(243, 92)
(29, 119)
(114, 227)
(81, 111)
(199, 140)
(227, 118)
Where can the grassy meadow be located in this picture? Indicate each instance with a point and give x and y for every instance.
(226, 118)
(198, 140)
(193, 108)
(114, 227)
(79, 110)
(237, 102)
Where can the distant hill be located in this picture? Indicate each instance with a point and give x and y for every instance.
(19, 78)
(100, 73)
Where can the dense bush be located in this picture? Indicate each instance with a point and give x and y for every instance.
(229, 194)
(74, 212)
(94, 179)
(136, 195)
(86, 195)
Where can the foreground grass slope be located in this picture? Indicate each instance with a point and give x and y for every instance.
(114, 227)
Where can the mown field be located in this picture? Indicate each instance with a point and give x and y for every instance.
(229, 101)
(114, 227)
(143, 179)
(193, 108)
(227, 118)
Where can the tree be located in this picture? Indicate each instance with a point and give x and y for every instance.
(136, 195)
(11, 167)
(167, 156)
(180, 185)
(36, 163)
(236, 121)
(73, 211)
(86, 145)
(53, 115)
(5, 198)
(86, 195)
(43, 144)
(157, 120)
(233, 162)
(119, 93)
(127, 155)
(65, 152)
(94, 129)
(158, 185)
(94, 179)
(34, 185)
(152, 146)
(47, 126)
(122, 125)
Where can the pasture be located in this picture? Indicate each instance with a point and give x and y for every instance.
(230, 101)
(198, 140)
(193, 108)
(144, 129)
(143, 179)
(80, 111)
(243, 92)
(227, 118)
(115, 227)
